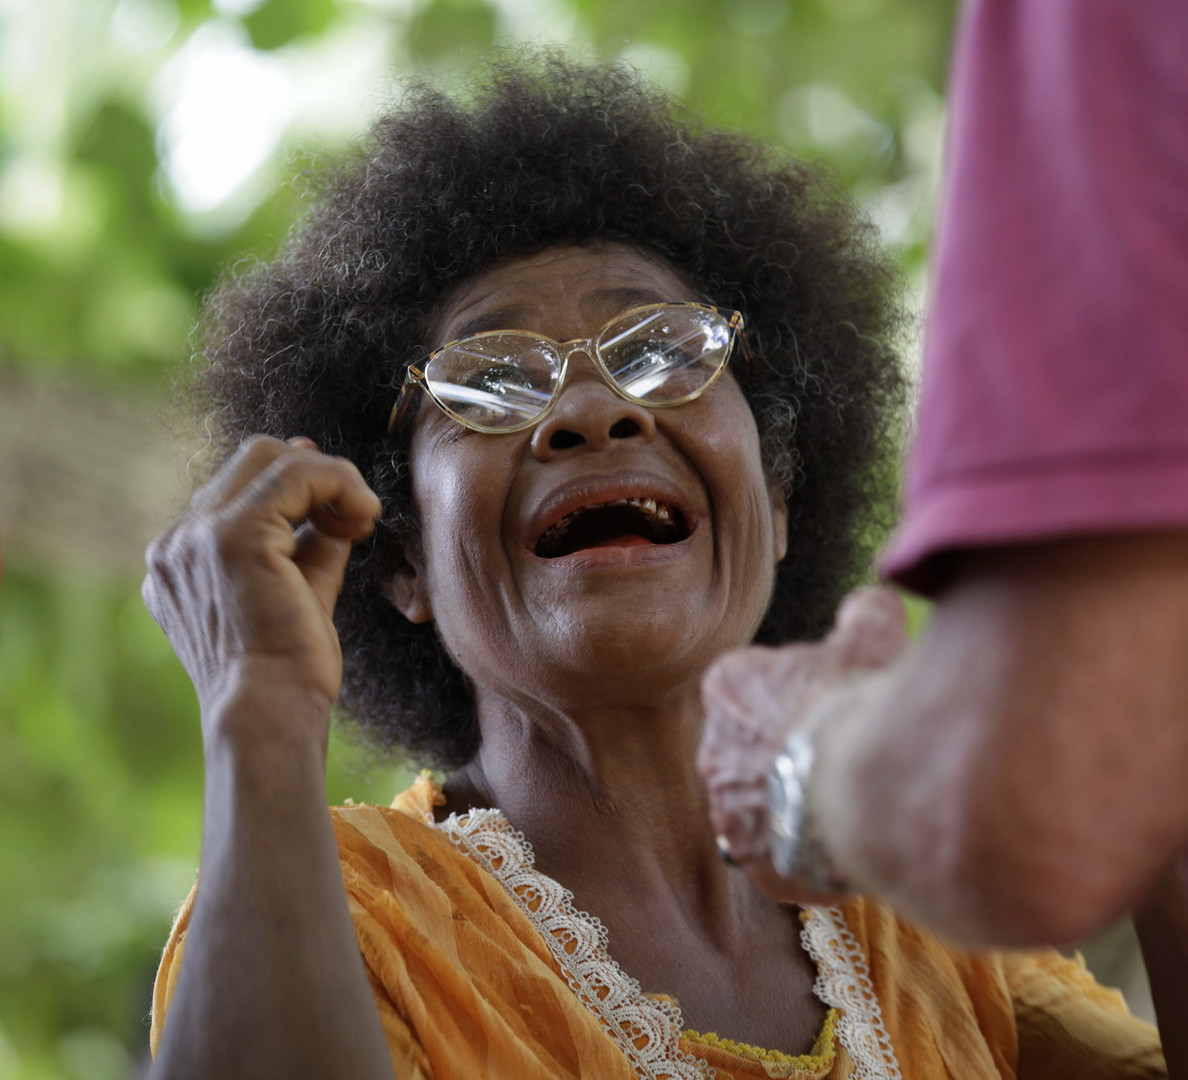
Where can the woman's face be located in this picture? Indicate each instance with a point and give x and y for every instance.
(612, 609)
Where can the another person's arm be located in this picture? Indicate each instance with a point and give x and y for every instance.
(272, 983)
(1021, 773)
(1018, 775)
(1025, 776)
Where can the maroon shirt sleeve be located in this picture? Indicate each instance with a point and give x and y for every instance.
(1055, 383)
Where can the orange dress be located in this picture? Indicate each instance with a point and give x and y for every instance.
(482, 968)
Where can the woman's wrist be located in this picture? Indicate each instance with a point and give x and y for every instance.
(275, 722)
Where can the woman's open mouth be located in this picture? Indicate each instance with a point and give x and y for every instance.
(620, 523)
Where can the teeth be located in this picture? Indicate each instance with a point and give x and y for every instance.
(660, 512)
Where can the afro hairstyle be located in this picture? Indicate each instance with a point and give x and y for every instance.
(543, 150)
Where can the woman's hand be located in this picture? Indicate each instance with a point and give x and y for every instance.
(756, 697)
(247, 599)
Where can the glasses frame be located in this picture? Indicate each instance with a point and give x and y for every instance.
(415, 375)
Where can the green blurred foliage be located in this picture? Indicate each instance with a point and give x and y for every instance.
(451, 31)
(100, 769)
(102, 263)
(278, 22)
(101, 778)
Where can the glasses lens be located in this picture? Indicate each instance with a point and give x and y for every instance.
(494, 380)
(666, 353)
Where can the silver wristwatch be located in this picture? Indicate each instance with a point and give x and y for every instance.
(795, 844)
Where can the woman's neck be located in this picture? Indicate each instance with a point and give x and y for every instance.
(615, 811)
(612, 804)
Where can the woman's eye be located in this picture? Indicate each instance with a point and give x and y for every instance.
(499, 380)
(654, 353)
(654, 358)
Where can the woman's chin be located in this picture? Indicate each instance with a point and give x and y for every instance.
(617, 652)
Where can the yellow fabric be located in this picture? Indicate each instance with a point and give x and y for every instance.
(741, 1061)
(467, 987)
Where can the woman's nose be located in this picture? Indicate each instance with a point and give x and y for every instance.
(589, 413)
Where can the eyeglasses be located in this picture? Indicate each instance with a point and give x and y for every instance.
(500, 381)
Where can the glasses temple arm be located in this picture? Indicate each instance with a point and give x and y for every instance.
(412, 378)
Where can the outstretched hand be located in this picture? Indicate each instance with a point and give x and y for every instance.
(244, 583)
(756, 697)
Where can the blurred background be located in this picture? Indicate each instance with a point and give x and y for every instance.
(145, 144)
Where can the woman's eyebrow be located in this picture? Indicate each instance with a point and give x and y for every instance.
(607, 303)
(502, 318)
(613, 301)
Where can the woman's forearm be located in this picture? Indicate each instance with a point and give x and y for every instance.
(272, 983)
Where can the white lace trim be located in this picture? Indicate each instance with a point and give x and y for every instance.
(649, 1031)
(843, 981)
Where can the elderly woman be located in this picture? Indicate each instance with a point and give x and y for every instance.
(561, 397)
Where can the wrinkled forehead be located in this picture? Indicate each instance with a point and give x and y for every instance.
(558, 287)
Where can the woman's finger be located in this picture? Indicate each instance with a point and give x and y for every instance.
(309, 486)
(322, 560)
(252, 456)
(328, 520)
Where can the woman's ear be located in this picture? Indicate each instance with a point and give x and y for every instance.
(779, 522)
(406, 592)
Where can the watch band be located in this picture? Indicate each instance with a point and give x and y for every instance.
(795, 843)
